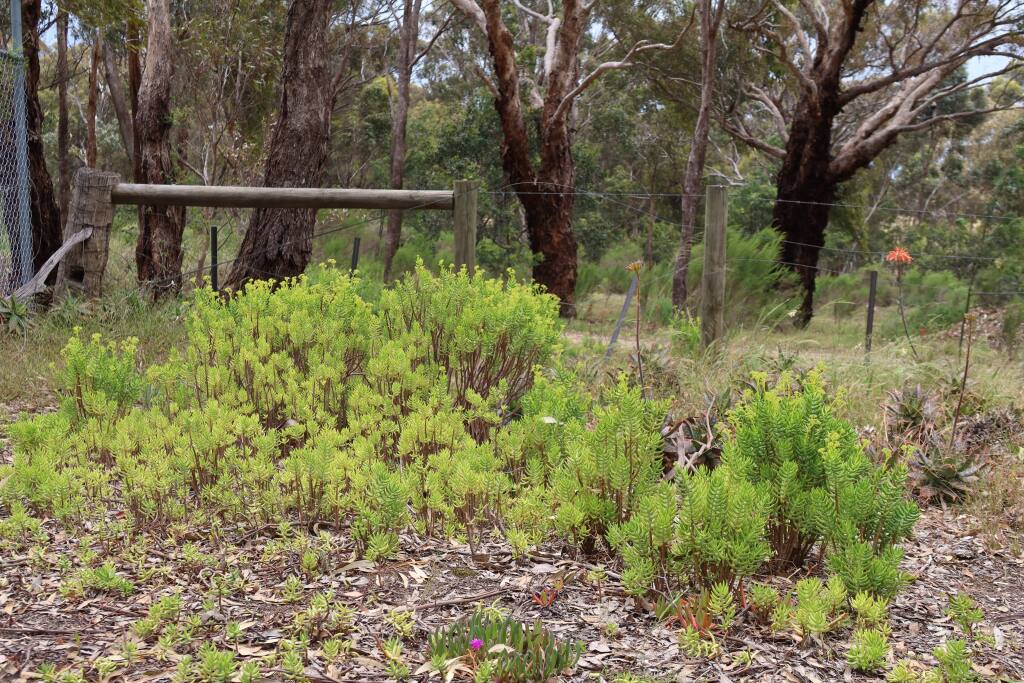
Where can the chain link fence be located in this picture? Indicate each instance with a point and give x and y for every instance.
(16, 262)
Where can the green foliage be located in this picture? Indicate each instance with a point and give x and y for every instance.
(516, 651)
(102, 579)
(14, 316)
(817, 609)
(685, 330)
(19, 527)
(696, 643)
(823, 487)
(722, 605)
(870, 610)
(754, 287)
(954, 662)
(720, 535)
(869, 649)
(215, 666)
(903, 672)
(610, 467)
(708, 530)
(301, 399)
(763, 599)
(964, 612)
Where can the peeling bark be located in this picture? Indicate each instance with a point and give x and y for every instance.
(158, 251)
(279, 242)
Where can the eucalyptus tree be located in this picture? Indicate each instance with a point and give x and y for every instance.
(847, 79)
(158, 249)
(711, 13)
(541, 93)
(325, 47)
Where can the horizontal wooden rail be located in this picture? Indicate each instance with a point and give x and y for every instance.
(279, 197)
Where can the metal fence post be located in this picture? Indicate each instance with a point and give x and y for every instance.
(355, 255)
(213, 258)
(872, 289)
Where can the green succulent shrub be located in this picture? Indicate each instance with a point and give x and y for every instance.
(302, 399)
(869, 649)
(707, 530)
(825, 492)
(510, 650)
(610, 467)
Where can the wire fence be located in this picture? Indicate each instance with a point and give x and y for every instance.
(16, 258)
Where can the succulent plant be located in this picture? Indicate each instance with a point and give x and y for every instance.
(513, 651)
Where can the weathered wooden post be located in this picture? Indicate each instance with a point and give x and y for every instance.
(713, 280)
(465, 208)
(82, 269)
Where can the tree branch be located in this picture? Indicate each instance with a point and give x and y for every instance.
(473, 11)
(641, 47)
(738, 132)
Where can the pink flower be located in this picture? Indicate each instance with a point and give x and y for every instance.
(476, 644)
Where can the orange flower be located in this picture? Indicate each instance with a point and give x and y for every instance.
(899, 256)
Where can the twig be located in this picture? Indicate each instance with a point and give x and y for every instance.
(457, 601)
(903, 316)
(17, 630)
(963, 381)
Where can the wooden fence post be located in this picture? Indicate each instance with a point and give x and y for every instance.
(82, 269)
(872, 289)
(465, 209)
(713, 280)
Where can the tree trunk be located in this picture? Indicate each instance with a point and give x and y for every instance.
(408, 39)
(158, 251)
(279, 242)
(694, 175)
(549, 225)
(46, 227)
(63, 124)
(133, 45)
(805, 189)
(120, 101)
(547, 193)
(90, 108)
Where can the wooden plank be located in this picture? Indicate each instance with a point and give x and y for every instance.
(279, 197)
(713, 282)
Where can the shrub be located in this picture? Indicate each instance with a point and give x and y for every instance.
(954, 662)
(487, 334)
(754, 287)
(869, 649)
(301, 398)
(14, 316)
(608, 468)
(709, 530)
(964, 612)
(825, 492)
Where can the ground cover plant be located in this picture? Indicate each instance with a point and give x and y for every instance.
(317, 485)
